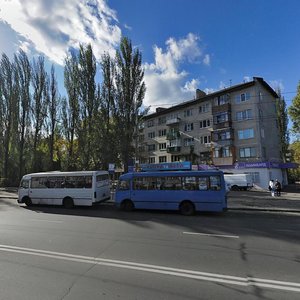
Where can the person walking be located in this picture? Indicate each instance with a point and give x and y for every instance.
(277, 188)
(272, 187)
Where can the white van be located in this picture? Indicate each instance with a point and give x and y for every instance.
(236, 182)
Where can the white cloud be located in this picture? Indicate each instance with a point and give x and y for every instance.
(222, 85)
(206, 59)
(247, 78)
(127, 27)
(167, 82)
(52, 27)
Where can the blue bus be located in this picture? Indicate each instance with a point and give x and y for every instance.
(186, 191)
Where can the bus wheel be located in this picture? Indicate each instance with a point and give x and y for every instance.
(127, 205)
(68, 202)
(187, 208)
(27, 201)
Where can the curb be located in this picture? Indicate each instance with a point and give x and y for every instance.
(290, 210)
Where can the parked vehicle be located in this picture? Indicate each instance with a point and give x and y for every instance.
(186, 191)
(236, 182)
(64, 188)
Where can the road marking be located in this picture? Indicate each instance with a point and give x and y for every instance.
(212, 234)
(211, 277)
(49, 221)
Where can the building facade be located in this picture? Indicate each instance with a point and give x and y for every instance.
(234, 129)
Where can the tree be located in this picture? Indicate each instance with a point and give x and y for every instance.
(23, 69)
(9, 112)
(130, 91)
(89, 104)
(53, 102)
(294, 111)
(282, 121)
(70, 107)
(106, 129)
(39, 107)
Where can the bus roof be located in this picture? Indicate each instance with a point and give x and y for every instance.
(59, 173)
(170, 173)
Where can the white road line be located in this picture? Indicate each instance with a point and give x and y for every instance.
(211, 277)
(49, 221)
(212, 234)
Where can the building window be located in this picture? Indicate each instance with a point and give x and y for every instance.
(204, 123)
(175, 158)
(162, 120)
(150, 123)
(205, 139)
(247, 152)
(216, 153)
(221, 118)
(151, 147)
(220, 100)
(151, 135)
(244, 115)
(222, 136)
(188, 112)
(262, 132)
(162, 159)
(188, 142)
(204, 108)
(151, 160)
(246, 134)
(242, 97)
(163, 146)
(260, 96)
(226, 152)
(162, 132)
(188, 127)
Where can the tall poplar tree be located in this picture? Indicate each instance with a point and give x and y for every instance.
(89, 105)
(294, 112)
(130, 91)
(23, 69)
(70, 108)
(39, 107)
(282, 121)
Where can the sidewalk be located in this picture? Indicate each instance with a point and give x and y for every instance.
(263, 201)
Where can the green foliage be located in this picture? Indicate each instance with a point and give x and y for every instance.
(294, 111)
(88, 129)
(282, 121)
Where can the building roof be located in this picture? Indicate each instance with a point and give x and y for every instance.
(237, 87)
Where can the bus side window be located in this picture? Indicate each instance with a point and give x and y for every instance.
(203, 183)
(88, 182)
(124, 185)
(215, 183)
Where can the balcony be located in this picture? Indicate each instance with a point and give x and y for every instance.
(173, 149)
(173, 121)
(221, 108)
(173, 135)
(223, 161)
(221, 125)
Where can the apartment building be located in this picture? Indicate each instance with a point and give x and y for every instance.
(234, 129)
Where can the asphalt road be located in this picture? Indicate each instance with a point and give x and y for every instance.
(102, 253)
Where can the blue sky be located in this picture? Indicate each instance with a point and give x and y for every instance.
(186, 44)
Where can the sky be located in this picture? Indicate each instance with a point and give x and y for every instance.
(185, 44)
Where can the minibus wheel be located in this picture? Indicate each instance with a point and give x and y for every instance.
(27, 201)
(68, 202)
(234, 188)
(127, 205)
(187, 208)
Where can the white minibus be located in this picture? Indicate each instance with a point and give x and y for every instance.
(64, 188)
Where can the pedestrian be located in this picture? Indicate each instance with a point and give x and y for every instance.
(277, 188)
(272, 187)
